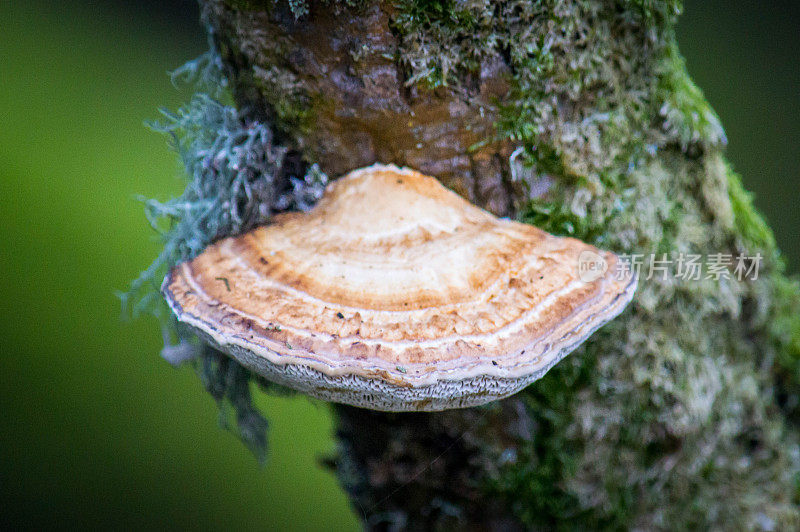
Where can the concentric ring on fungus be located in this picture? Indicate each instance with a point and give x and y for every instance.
(396, 294)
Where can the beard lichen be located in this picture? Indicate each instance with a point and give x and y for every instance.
(237, 177)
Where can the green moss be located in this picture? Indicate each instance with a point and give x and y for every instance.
(656, 11)
(566, 98)
(566, 94)
(687, 116)
(786, 324)
(675, 369)
(438, 17)
(783, 319)
(293, 110)
(749, 223)
(680, 364)
(541, 469)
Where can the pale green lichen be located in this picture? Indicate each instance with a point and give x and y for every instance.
(230, 165)
(229, 384)
(236, 180)
(235, 177)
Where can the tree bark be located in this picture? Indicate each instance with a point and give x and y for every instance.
(331, 83)
(676, 414)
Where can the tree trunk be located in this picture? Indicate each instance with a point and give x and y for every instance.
(577, 116)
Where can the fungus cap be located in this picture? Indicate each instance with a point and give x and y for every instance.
(396, 294)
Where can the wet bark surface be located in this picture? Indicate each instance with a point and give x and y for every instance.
(428, 471)
(333, 83)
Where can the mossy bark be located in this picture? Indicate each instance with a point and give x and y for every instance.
(682, 412)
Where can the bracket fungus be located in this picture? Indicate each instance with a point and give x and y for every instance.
(396, 294)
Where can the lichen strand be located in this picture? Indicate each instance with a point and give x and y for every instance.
(237, 176)
(229, 384)
(335, 84)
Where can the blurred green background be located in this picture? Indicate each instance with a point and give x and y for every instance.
(96, 429)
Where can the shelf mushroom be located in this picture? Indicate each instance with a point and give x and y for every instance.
(396, 294)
